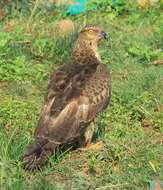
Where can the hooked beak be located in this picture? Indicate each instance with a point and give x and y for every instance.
(104, 35)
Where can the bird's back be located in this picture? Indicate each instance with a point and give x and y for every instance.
(85, 92)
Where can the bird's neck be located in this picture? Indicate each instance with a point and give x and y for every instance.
(84, 51)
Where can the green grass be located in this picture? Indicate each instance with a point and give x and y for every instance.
(132, 126)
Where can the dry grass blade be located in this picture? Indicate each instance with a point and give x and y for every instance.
(32, 13)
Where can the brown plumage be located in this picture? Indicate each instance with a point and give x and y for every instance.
(77, 92)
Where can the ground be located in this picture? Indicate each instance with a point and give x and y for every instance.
(131, 129)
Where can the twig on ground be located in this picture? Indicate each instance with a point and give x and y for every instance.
(158, 62)
(111, 186)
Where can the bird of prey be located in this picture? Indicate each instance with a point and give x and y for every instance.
(77, 92)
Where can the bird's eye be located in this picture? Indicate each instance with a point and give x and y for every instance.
(90, 31)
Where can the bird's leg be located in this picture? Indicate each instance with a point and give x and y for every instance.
(85, 140)
(89, 134)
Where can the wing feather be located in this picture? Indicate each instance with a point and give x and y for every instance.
(66, 112)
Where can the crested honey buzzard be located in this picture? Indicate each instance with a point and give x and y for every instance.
(77, 92)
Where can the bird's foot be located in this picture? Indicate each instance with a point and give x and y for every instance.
(92, 146)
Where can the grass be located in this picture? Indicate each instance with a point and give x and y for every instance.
(132, 126)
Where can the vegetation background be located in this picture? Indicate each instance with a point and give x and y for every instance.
(34, 40)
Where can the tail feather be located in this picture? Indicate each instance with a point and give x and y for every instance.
(33, 148)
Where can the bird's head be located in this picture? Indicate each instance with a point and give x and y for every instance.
(92, 33)
(89, 38)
